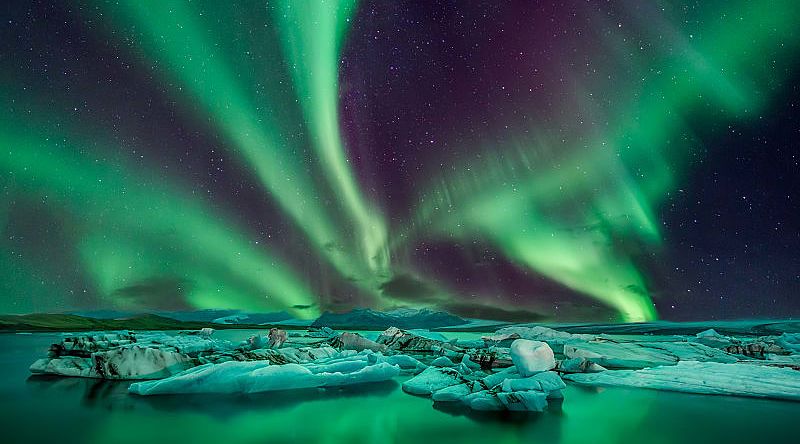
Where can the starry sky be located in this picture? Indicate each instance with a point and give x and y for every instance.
(566, 161)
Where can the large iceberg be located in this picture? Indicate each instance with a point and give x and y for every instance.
(713, 339)
(354, 341)
(261, 376)
(126, 362)
(286, 355)
(506, 390)
(632, 355)
(458, 391)
(712, 378)
(123, 355)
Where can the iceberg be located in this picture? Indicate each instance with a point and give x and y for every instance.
(543, 382)
(442, 361)
(713, 339)
(758, 349)
(633, 355)
(261, 376)
(191, 345)
(458, 391)
(711, 378)
(127, 362)
(276, 337)
(433, 379)
(554, 338)
(505, 390)
(90, 342)
(124, 355)
(354, 341)
(489, 358)
(790, 341)
(578, 365)
(406, 363)
(286, 355)
(396, 339)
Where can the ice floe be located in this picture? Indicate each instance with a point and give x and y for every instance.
(260, 376)
(713, 378)
(612, 354)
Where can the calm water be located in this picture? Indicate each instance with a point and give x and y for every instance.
(69, 410)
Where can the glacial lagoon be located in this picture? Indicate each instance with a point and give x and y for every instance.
(80, 410)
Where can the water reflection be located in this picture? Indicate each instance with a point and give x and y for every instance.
(223, 405)
(91, 393)
(114, 395)
(458, 409)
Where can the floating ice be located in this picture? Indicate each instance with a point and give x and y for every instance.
(442, 361)
(713, 378)
(612, 354)
(433, 379)
(531, 357)
(539, 333)
(260, 376)
(127, 362)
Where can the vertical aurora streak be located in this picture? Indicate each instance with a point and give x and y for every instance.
(562, 215)
(553, 168)
(312, 34)
(174, 34)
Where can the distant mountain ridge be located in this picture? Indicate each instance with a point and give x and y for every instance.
(357, 319)
(216, 316)
(73, 322)
(406, 318)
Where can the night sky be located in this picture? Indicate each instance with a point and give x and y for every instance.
(562, 161)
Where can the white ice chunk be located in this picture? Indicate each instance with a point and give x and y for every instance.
(711, 338)
(531, 357)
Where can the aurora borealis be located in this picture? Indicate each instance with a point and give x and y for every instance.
(567, 161)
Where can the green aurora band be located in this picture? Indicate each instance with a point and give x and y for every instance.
(312, 35)
(173, 35)
(267, 79)
(133, 233)
(568, 216)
